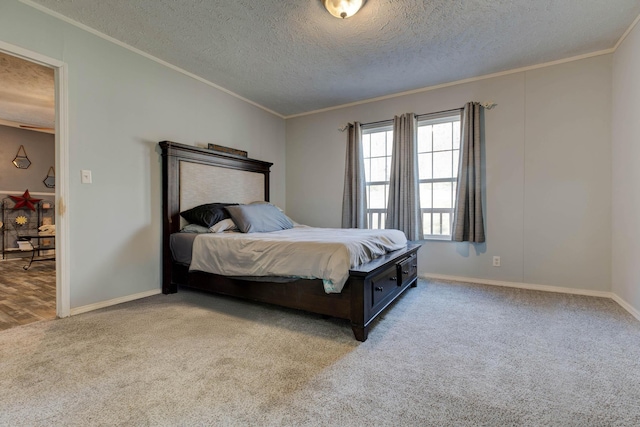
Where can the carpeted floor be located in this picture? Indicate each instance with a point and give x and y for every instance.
(445, 354)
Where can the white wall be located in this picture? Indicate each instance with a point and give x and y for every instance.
(626, 173)
(548, 174)
(121, 105)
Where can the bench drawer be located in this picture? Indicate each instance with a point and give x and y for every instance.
(384, 284)
(408, 269)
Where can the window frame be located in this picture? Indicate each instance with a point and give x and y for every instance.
(430, 120)
(376, 217)
(378, 213)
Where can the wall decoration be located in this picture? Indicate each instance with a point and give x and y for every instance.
(50, 180)
(227, 150)
(22, 224)
(21, 162)
(25, 201)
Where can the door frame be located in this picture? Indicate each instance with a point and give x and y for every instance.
(63, 290)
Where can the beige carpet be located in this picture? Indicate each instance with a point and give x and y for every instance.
(445, 354)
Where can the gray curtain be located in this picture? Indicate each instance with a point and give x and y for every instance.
(403, 207)
(354, 199)
(468, 225)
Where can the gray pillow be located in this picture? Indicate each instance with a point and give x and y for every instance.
(259, 218)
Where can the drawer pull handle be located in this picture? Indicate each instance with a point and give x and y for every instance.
(393, 279)
(415, 265)
(405, 271)
(379, 288)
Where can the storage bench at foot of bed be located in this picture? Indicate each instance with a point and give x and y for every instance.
(378, 283)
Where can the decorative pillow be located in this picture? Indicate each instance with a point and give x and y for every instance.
(207, 215)
(224, 225)
(259, 218)
(262, 202)
(194, 228)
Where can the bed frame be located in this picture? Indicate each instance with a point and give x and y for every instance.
(369, 290)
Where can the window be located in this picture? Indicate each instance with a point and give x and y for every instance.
(438, 156)
(377, 143)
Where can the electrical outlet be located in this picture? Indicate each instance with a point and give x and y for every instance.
(496, 261)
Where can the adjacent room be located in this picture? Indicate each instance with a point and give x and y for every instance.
(27, 192)
(488, 147)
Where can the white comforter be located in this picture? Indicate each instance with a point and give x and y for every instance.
(304, 252)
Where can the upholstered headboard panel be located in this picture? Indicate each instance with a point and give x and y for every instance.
(200, 183)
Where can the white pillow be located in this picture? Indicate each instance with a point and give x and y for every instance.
(224, 225)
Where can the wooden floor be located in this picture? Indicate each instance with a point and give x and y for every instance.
(26, 296)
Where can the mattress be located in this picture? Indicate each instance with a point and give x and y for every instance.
(181, 246)
(300, 252)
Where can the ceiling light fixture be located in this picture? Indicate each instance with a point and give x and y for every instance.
(343, 8)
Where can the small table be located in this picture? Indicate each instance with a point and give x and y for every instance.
(38, 248)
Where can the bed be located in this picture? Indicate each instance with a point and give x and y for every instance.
(194, 176)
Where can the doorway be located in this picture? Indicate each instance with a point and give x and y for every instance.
(34, 267)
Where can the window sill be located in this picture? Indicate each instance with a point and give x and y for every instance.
(438, 238)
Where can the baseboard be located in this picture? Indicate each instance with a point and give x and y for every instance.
(521, 285)
(108, 303)
(546, 288)
(635, 313)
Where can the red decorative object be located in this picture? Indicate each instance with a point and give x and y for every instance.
(25, 201)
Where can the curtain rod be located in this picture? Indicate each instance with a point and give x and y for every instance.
(487, 105)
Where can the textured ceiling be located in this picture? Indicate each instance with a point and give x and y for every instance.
(293, 57)
(26, 92)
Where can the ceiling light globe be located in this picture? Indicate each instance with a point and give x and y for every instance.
(343, 8)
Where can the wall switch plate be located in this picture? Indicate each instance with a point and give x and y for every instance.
(86, 176)
(496, 261)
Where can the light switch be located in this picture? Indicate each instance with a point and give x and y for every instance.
(86, 176)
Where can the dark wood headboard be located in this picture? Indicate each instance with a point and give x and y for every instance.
(173, 155)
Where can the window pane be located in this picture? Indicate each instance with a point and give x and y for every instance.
(456, 134)
(373, 223)
(442, 195)
(389, 142)
(383, 219)
(425, 195)
(437, 226)
(456, 162)
(424, 139)
(378, 169)
(377, 197)
(424, 166)
(446, 224)
(442, 164)
(388, 176)
(367, 169)
(442, 136)
(426, 223)
(366, 145)
(378, 144)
